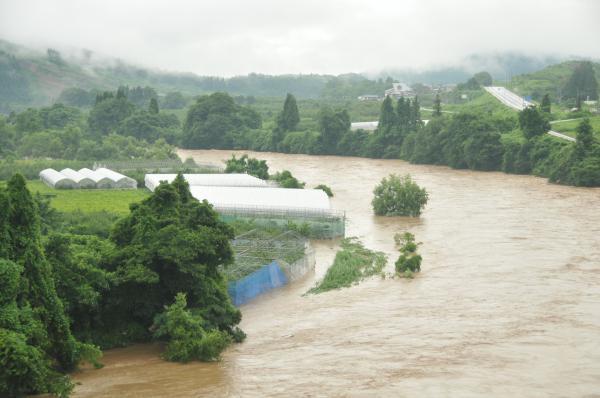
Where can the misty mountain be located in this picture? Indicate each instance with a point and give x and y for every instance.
(31, 77)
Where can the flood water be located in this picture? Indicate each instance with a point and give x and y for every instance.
(507, 303)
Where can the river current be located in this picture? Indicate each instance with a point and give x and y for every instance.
(507, 303)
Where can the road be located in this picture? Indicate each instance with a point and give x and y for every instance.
(514, 101)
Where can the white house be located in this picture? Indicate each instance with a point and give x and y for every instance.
(400, 90)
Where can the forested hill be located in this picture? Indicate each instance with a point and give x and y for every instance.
(37, 78)
(554, 80)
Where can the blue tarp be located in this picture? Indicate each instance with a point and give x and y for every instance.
(260, 281)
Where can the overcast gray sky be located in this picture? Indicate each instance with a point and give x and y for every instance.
(230, 37)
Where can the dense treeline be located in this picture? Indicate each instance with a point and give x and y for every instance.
(66, 289)
(115, 128)
(473, 140)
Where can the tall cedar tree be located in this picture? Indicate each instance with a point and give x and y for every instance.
(387, 116)
(153, 107)
(437, 106)
(545, 106)
(25, 249)
(585, 138)
(287, 120)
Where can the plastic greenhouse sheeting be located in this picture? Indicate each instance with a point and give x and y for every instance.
(101, 180)
(119, 180)
(81, 180)
(260, 281)
(225, 180)
(241, 199)
(54, 179)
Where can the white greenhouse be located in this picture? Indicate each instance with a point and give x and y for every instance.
(81, 180)
(102, 181)
(310, 202)
(119, 180)
(217, 180)
(54, 179)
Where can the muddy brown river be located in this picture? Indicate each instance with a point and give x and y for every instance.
(507, 303)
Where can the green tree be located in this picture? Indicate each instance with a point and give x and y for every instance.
(325, 189)
(409, 260)
(332, 125)
(483, 78)
(185, 335)
(546, 106)
(415, 114)
(35, 337)
(153, 107)
(285, 179)
(582, 83)
(437, 106)
(484, 151)
(396, 196)
(244, 164)
(215, 121)
(387, 116)
(170, 243)
(532, 122)
(106, 115)
(585, 138)
(288, 118)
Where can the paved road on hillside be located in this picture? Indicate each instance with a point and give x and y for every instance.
(514, 101)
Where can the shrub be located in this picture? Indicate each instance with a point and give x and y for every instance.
(396, 196)
(326, 189)
(252, 166)
(285, 179)
(409, 261)
(184, 331)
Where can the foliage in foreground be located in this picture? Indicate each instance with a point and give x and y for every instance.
(399, 196)
(187, 338)
(36, 342)
(170, 244)
(409, 261)
(352, 263)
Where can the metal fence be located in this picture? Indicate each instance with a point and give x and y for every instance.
(264, 262)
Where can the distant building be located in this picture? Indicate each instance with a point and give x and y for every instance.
(368, 97)
(400, 90)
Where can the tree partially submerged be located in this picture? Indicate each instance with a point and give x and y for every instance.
(171, 243)
(399, 196)
(409, 261)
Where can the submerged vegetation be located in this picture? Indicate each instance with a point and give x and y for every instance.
(399, 196)
(409, 261)
(352, 263)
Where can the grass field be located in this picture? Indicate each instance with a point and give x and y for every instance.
(570, 128)
(90, 200)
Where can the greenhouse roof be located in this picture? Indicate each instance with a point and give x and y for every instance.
(74, 175)
(230, 180)
(241, 198)
(53, 177)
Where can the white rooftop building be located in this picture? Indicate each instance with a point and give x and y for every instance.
(225, 180)
(54, 179)
(400, 90)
